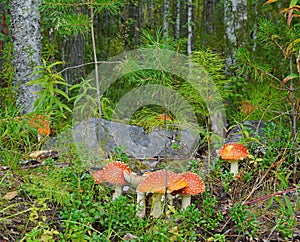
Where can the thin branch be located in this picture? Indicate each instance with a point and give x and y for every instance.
(271, 195)
(89, 63)
(262, 198)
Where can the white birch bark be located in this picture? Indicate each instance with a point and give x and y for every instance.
(235, 15)
(177, 27)
(255, 27)
(190, 29)
(165, 18)
(26, 39)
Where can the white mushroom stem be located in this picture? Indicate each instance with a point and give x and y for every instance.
(157, 202)
(156, 210)
(134, 180)
(118, 191)
(186, 201)
(170, 199)
(141, 204)
(234, 167)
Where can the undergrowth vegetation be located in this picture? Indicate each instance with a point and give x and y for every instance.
(59, 201)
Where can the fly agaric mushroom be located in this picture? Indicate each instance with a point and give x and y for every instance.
(163, 116)
(233, 152)
(113, 173)
(195, 186)
(42, 124)
(159, 183)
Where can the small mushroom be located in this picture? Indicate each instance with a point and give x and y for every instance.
(195, 186)
(163, 116)
(113, 173)
(42, 124)
(159, 183)
(233, 152)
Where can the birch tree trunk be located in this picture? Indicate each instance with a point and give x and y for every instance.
(235, 15)
(255, 27)
(165, 18)
(26, 40)
(190, 29)
(177, 26)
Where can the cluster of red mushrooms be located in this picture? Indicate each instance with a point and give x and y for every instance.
(163, 182)
(158, 183)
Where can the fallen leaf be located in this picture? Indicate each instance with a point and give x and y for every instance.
(11, 195)
(247, 108)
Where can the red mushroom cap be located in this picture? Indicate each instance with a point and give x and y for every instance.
(112, 172)
(195, 184)
(42, 124)
(156, 182)
(161, 117)
(233, 151)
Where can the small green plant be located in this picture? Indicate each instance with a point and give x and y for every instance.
(120, 154)
(212, 218)
(188, 222)
(52, 187)
(41, 231)
(119, 217)
(194, 222)
(245, 222)
(52, 84)
(217, 238)
(286, 222)
(227, 178)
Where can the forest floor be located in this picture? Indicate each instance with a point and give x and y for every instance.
(24, 211)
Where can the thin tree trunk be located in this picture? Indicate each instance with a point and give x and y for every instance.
(190, 29)
(177, 27)
(255, 26)
(149, 22)
(26, 39)
(208, 16)
(235, 15)
(73, 50)
(139, 23)
(4, 31)
(165, 18)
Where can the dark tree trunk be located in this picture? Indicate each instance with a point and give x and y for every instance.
(73, 55)
(209, 22)
(3, 36)
(26, 39)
